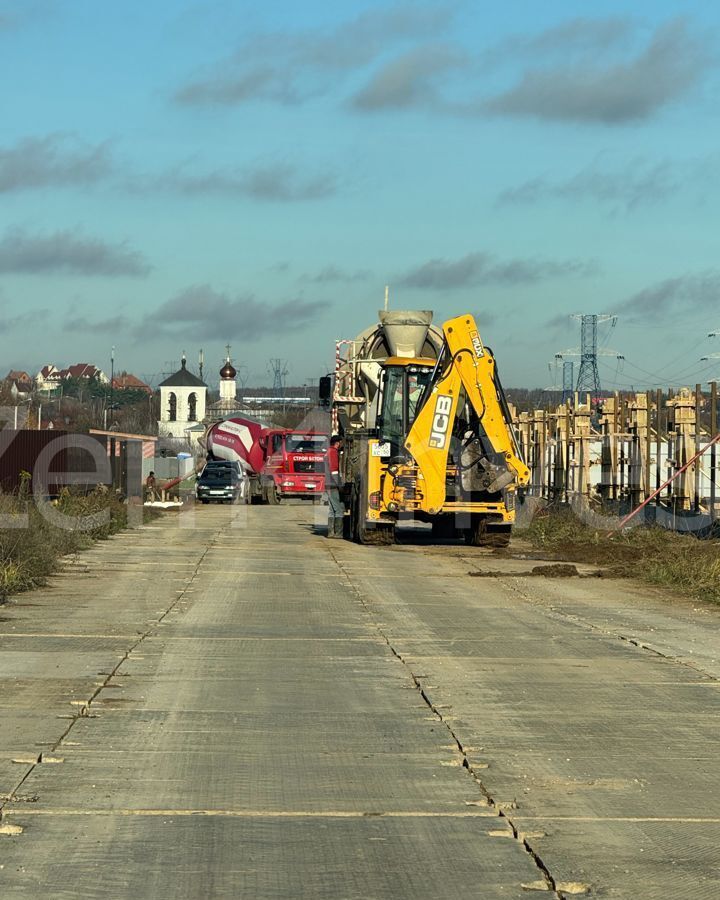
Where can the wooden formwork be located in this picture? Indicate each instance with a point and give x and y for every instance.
(619, 450)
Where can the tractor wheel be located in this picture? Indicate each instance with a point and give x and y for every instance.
(498, 536)
(380, 535)
(484, 534)
(476, 534)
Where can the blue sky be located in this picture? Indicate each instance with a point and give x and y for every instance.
(183, 175)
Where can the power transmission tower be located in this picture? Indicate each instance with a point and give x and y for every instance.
(588, 376)
(588, 379)
(279, 371)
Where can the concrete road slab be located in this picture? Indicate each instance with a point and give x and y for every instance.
(166, 857)
(244, 730)
(229, 705)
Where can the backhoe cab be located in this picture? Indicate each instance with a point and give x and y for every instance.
(436, 444)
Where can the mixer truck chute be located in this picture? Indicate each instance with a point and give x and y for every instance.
(428, 433)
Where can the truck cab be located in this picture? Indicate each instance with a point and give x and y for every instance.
(295, 465)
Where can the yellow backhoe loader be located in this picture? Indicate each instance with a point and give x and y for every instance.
(427, 430)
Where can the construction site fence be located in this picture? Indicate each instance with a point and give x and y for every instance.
(654, 452)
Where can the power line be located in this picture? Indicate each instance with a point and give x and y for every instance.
(694, 375)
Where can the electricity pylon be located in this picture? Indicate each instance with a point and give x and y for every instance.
(279, 371)
(588, 378)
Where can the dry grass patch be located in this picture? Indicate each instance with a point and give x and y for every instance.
(679, 561)
(31, 547)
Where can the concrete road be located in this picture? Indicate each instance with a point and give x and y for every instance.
(226, 704)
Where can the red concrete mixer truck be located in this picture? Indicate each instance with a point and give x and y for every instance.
(279, 462)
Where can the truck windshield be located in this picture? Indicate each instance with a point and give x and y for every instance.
(306, 443)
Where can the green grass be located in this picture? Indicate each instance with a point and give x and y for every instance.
(32, 552)
(678, 561)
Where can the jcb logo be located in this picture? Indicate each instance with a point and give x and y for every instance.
(441, 421)
(477, 344)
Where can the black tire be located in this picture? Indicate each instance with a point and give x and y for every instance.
(498, 536)
(383, 535)
(205, 501)
(355, 513)
(476, 534)
(482, 533)
(273, 498)
(379, 535)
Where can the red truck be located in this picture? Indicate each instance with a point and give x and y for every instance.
(278, 462)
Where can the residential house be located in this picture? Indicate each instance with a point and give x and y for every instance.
(88, 371)
(21, 384)
(126, 381)
(50, 378)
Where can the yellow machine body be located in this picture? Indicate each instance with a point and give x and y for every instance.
(419, 485)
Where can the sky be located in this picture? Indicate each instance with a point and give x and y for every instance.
(185, 175)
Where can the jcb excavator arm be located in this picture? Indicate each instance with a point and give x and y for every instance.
(466, 363)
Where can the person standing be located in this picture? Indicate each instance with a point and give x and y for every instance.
(150, 488)
(336, 507)
(244, 486)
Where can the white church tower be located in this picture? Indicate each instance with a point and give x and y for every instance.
(227, 405)
(183, 398)
(228, 387)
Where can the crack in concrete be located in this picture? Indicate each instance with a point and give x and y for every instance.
(551, 885)
(84, 711)
(580, 622)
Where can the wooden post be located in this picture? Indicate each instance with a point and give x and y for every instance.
(606, 458)
(648, 447)
(559, 455)
(713, 450)
(581, 442)
(614, 448)
(658, 443)
(621, 444)
(539, 468)
(546, 454)
(567, 450)
(697, 466)
(681, 414)
(638, 428)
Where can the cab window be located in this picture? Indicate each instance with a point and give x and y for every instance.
(393, 408)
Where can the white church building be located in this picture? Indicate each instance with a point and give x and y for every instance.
(183, 401)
